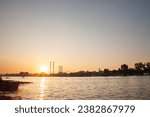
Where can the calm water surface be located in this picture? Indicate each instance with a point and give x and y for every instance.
(50, 88)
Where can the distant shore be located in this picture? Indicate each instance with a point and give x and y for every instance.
(140, 69)
(77, 74)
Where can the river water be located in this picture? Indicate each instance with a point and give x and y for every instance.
(84, 88)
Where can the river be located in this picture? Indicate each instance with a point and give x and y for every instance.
(84, 88)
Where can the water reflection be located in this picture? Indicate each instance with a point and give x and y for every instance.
(47, 88)
(42, 88)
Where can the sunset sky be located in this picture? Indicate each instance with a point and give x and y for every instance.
(78, 34)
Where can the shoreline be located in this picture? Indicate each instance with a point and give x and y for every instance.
(7, 77)
(10, 86)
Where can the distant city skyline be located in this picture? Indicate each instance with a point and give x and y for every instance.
(80, 35)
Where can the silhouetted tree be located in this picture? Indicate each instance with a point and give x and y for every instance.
(139, 67)
(131, 71)
(115, 72)
(106, 72)
(124, 69)
(23, 73)
(147, 67)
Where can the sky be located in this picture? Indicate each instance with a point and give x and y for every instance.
(78, 34)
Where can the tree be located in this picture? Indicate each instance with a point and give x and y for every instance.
(106, 70)
(24, 73)
(124, 67)
(147, 67)
(139, 66)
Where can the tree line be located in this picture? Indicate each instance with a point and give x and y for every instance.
(124, 70)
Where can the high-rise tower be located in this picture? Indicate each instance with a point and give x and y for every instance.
(50, 67)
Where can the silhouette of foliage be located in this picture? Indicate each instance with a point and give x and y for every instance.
(139, 67)
(124, 70)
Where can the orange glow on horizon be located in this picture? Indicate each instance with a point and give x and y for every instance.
(43, 69)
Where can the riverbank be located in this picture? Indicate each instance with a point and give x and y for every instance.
(10, 86)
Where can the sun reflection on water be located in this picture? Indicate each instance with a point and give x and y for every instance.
(42, 88)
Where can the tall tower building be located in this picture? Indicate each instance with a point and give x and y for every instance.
(50, 67)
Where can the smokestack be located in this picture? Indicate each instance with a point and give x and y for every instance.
(50, 67)
(53, 66)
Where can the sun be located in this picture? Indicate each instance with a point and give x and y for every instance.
(43, 69)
